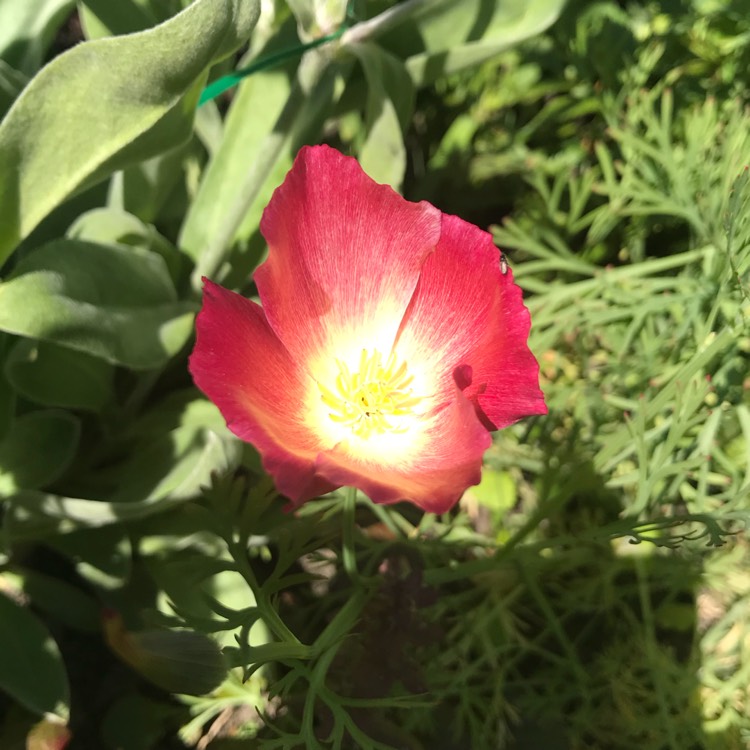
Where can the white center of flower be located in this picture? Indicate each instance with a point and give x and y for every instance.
(373, 399)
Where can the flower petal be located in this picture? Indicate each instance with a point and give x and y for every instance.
(388, 344)
(448, 460)
(343, 251)
(467, 324)
(241, 365)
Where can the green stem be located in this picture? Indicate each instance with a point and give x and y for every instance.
(268, 613)
(348, 520)
(652, 651)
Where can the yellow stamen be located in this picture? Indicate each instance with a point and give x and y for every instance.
(368, 400)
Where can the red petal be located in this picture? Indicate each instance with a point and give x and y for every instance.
(343, 251)
(467, 324)
(448, 461)
(240, 364)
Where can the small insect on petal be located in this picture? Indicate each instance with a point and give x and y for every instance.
(503, 263)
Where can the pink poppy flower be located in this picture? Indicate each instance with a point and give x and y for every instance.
(388, 345)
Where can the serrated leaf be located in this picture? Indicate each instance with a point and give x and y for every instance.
(190, 585)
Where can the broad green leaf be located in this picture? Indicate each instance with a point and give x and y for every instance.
(139, 94)
(12, 83)
(102, 556)
(54, 376)
(57, 224)
(178, 661)
(251, 117)
(209, 127)
(109, 226)
(147, 186)
(177, 448)
(175, 466)
(27, 28)
(299, 121)
(38, 447)
(113, 302)
(463, 34)
(114, 226)
(181, 408)
(37, 515)
(100, 18)
(31, 668)
(64, 601)
(390, 102)
(7, 392)
(163, 470)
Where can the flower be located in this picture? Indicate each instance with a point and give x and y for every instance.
(388, 345)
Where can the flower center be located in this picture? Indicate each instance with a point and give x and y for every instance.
(372, 399)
